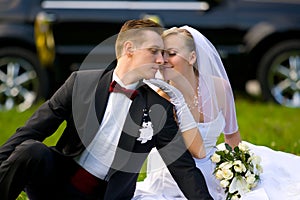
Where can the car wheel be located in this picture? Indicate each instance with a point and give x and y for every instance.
(279, 74)
(22, 81)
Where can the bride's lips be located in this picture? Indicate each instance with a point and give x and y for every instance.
(163, 67)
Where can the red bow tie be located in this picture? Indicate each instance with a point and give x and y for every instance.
(116, 87)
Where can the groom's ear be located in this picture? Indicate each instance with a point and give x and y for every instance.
(192, 58)
(128, 48)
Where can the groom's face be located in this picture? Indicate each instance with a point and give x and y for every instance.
(147, 55)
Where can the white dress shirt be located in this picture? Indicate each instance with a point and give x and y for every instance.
(98, 156)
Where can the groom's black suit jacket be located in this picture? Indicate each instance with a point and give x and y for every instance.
(81, 102)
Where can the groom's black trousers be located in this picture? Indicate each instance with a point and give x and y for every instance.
(43, 174)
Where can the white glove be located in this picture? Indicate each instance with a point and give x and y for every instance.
(185, 118)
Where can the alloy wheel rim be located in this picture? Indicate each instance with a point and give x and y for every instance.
(284, 79)
(18, 84)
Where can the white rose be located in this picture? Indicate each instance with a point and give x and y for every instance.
(221, 147)
(250, 179)
(238, 184)
(226, 165)
(239, 166)
(255, 160)
(248, 173)
(215, 158)
(227, 174)
(219, 174)
(243, 146)
(224, 183)
(254, 184)
(235, 197)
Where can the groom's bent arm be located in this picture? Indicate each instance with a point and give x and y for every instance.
(181, 164)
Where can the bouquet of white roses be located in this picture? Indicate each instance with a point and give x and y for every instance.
(237, 169)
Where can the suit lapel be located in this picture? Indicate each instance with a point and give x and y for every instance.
(102, 94)
(84, 102)
(132, 123)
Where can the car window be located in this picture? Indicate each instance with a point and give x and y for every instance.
(136, 5)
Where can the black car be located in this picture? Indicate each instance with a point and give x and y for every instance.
(42, 41)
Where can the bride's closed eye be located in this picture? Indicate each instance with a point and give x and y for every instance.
(171, 53)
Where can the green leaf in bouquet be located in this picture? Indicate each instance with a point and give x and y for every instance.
(228, 147)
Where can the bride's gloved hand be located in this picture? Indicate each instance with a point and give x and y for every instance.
(185, 118)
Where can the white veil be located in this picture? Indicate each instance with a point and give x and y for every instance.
(215, 92)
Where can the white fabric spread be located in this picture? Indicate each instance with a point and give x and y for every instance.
(280, 178)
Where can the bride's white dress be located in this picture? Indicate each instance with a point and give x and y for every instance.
(280, 179)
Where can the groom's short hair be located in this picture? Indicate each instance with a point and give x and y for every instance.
(133, 30)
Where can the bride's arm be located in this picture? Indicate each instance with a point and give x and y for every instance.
(194, 142)
(226, 104)
(233, 139)
(186, 119)
(192, 137)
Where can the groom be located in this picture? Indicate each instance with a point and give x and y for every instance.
(101, 151)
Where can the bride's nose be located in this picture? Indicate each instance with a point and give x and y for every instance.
(166, 57)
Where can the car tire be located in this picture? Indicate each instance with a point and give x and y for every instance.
(279, 74)
(22, 81)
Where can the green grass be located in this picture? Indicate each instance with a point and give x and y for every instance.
(268, 124)
(260, 123)
(11, 120)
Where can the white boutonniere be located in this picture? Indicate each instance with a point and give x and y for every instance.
(146, 131)
(237, 169)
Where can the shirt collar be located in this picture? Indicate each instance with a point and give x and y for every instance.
(131, 86)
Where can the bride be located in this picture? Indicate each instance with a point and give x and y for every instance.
(195, 69)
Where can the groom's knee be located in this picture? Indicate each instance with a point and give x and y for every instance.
(30, 151)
